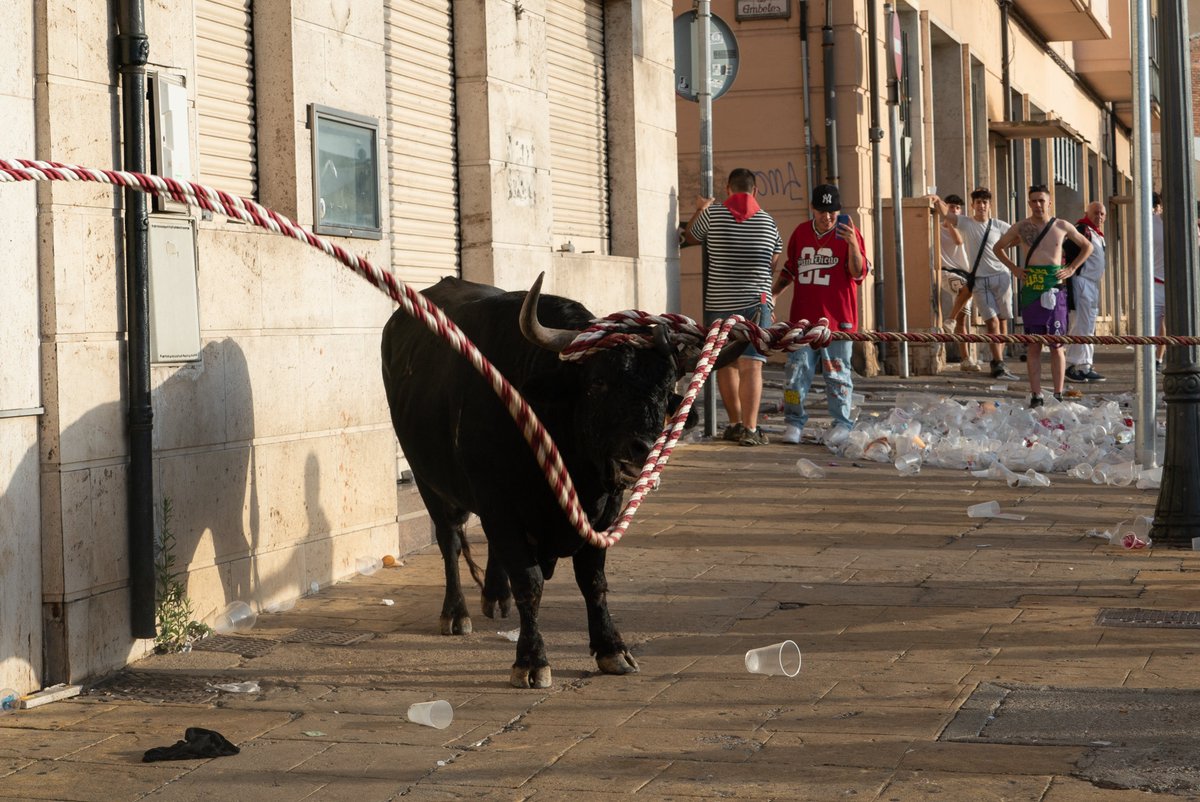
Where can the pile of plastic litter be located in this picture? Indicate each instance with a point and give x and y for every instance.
(1000, 439)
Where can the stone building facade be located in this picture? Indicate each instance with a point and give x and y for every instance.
(492, 139)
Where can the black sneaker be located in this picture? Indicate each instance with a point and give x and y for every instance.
(1058, 397)
(733, 432)
(1093, 376)
(754, 437)
(1076, 375)
(1036, 401)
(1000, 371)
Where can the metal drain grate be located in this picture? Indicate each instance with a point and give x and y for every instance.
(327, 637)
(146, 686)
(1139, 617)
(234, 644)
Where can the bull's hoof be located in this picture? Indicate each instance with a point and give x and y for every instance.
(456, 625)
(619, 663)
(491, 606)
(531, 678)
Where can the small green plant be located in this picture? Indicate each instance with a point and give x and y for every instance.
(172, 609)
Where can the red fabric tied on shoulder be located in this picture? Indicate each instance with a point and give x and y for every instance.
(742, 206)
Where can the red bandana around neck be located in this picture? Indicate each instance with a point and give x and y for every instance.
(742, 206)
(1087, 221)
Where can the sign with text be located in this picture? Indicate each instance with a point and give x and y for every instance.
(723, 48)
(763, 9)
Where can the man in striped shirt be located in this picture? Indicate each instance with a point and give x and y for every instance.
(743, 248)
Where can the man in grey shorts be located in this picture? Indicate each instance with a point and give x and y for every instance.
(992, 294)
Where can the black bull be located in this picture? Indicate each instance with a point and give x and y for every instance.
(467, 454)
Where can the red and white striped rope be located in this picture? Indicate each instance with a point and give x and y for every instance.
(415, 304)
(607, 332)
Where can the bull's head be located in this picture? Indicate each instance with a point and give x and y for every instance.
(621, 400)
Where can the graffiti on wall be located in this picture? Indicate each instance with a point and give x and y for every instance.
(780, 182)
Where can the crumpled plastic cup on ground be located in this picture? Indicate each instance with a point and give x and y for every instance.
(809, 469)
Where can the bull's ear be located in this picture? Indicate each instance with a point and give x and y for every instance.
(730, 353)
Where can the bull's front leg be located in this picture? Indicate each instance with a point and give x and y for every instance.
(605, 642)
(496, 597)
(531, 669)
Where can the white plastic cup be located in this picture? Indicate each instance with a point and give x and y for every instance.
(436, 714)
(809, 469)
(778, 659)
(236, 617)
(987, 509)
(909, 464)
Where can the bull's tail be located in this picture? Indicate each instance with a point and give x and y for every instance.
(476, 571)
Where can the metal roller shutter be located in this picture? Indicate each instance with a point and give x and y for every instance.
(421, 145)
(578, 124)
(225, 95)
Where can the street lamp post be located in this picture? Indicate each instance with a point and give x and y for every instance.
(1177, 514)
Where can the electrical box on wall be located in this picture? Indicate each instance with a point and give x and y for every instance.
(174, 301)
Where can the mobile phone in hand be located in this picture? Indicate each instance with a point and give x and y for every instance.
(843, 219)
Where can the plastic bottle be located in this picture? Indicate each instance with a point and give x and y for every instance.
(10, 700)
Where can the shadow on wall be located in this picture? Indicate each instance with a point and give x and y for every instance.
(20, 553)
(236, 534)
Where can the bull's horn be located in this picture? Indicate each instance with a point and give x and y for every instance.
(551, 339)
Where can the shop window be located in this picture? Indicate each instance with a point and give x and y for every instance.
(345, 170)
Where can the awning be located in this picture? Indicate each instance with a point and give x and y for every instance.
(1050, 128)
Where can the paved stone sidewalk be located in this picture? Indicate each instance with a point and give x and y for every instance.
(944, 658)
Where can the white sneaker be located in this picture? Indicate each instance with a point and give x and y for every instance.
(791, 435)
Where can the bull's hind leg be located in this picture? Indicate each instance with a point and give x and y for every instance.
(606, 644)
(448, 523)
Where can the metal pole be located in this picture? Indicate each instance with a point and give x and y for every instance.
(1144, 308)
(876, 137)
(897, 199)
(133, 52)
(703, 77)
(831, 140)
(808, 143)
(1177, 514)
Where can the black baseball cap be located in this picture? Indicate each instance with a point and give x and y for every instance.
(825, 198)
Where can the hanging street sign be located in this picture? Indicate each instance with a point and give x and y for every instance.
(724, 57)
(897, 48)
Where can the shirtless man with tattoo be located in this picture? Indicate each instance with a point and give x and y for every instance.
(1043, 304)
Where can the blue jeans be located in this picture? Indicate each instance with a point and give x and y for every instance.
(839, 382)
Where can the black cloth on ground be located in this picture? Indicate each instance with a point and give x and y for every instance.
(197, 743)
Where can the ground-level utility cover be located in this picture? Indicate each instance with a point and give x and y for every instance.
(1144, 739)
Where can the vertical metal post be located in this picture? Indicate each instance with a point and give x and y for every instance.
(897, 197)
(133, 52)
(1142, 207)
(703, 78)
(1177, 514)
(831, 138)
(876, 137)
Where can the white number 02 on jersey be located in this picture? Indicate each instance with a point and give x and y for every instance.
(813, 266)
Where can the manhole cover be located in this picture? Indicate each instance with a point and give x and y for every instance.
(327, 637)
(1138, 617)
(235, 644)
(143, 686)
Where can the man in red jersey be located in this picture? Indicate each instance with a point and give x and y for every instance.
(826, 261)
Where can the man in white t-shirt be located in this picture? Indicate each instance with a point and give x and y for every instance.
(953, 284)
(992, 290)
